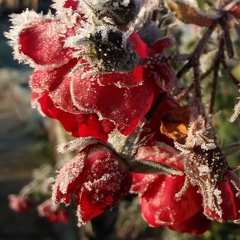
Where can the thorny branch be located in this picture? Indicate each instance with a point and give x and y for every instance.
(195, 55)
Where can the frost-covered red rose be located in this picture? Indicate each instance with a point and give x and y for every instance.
(96, 180)
(160, 204)
(66, 51)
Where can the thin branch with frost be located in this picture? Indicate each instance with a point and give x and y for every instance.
(144, 15)
(236, 112)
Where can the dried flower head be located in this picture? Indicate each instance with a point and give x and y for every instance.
(204, 163)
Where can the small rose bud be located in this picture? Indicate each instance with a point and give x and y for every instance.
(96, 180)
(19, 204)
(54, 213)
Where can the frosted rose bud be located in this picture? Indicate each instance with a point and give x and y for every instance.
(96, 180)
(54, 213)
(19, 204)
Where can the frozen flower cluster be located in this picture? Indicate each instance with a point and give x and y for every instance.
(107, 79)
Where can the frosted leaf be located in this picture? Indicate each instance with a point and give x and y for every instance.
(42, 180)
(104, 48)
(212, 200)
(79, 144)
(126, 146)
(189, 12)
(148, 166)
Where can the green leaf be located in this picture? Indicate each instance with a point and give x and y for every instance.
(152, 167)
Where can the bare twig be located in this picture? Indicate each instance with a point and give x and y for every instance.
(215, 75)
(226, 37)
(195, 55)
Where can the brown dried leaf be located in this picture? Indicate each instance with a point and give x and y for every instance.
(175, 123)
(189, 12)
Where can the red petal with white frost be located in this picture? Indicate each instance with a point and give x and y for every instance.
(95, 178)
(230, 205)
(43, 41)
(49, 80)
(128, 79)
(71, 4)
(79, 125)
(141, 183)
(124, 106)
(106, 182)
(168, 155)
(66, 181)
(161, 207)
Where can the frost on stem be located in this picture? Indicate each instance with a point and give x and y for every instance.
(144, 15)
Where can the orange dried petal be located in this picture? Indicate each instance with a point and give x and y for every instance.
(175, 123)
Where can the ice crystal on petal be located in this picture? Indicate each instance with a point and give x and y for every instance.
(79, 143)
(21, 22)
(30, 33)
(165, 211)
(96, 180)
(73, 167)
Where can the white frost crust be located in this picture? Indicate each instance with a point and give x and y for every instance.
(30, 18)
(68, 174)
(79, 216)
(21, 22)
(79, 143)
